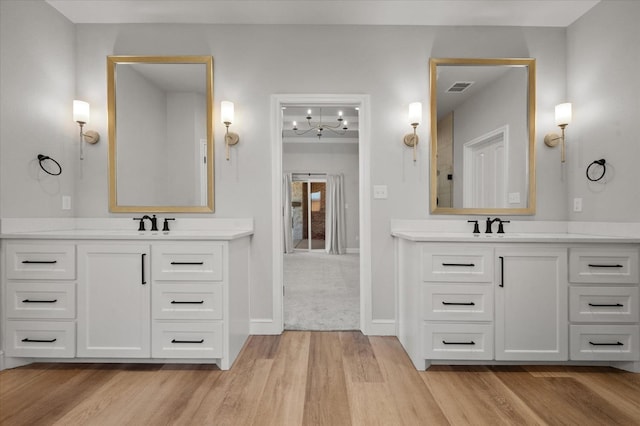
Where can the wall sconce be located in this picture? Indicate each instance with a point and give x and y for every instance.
(226, 114)
(563, 118)
(81, 116)
(415, 117)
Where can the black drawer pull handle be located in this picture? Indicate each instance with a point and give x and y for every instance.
(606, 344)
(459, 264)
(458, 303)
(459, 343)
(39, 340)
(187, 263)
(187, 341)
(143, 280)
(501, 271)
(607, 305)
(39, 301)
(595, 265)
(179, 302)
(40, 261)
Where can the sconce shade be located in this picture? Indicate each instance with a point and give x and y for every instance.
(563, 114)
(80, 111)
(415, 113)
(226, 112)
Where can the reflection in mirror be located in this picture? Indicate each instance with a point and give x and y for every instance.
(160, 134)
(482, 136)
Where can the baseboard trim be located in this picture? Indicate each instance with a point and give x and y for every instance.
(382, 328)
(264, 326)
(353, 251)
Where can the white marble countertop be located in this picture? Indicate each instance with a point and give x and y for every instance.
(515, 237)
(108, 234)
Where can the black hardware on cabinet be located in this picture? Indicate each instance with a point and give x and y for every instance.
(143, 274)
(39, 340)
(459, 264)
(606, 344)
(501, 271)
(187, 341)
(165, 225)
(476, 228)
(178, 302)
(187, 263)
(500, 227)
(607, 305)
(39, 301)
(458, 303)
(459, 343)
(595, 265)
(49, 262)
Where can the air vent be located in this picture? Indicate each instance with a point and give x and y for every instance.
(459, 86)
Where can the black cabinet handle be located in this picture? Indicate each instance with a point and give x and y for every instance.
(606, 344)
(40, 261)
(178, 302)
(39, 301)
(459, 264)
(459, 303)
(607, 305)
(143, 274)
(38, 340)
(595, 265)
(187, 341)
(187, 263)
(501, 271)
(459, 343)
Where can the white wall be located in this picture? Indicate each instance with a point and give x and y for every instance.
(603, 68)
(253, 62)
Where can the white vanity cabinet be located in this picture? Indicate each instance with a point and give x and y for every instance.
(114, 288)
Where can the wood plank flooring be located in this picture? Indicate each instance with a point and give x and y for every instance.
(317, 378)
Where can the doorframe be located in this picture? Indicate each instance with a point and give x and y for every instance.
(275, 325)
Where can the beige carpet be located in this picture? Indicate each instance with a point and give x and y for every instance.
(322, 291)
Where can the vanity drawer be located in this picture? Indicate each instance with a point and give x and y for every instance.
(46, 339)
(187, 262)
(603, 304)
(458, 341)
(604, 342)
(41, 300)
(186, 340)
(457, 264)
(187, 300)
(611, 265)
(458, 302)
(41, 261)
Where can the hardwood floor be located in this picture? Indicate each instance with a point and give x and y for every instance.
(317, 378)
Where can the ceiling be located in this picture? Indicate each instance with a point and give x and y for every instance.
(537, 13)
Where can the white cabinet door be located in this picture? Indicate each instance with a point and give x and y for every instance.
(114, 300)
(531, 304)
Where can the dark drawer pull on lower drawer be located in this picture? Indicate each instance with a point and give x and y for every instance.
(39, 301)
(596, 265)
(187, 263)
(187, 341)
(40, 261)
(459, 343)
(606, 344)
(459, 264)
(458, 303)
(39, 340)
(180, 302)
(607, 305)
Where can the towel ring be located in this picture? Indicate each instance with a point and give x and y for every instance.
(600, 162)
(42, 158)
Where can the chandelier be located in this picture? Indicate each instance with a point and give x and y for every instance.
(319, 127)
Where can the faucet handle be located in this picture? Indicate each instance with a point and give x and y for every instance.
(489, 224)
(165, 225)
(500, 227)
(141, 226)
(476, 228)
(154, 223)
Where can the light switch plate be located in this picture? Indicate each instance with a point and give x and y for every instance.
(514, 198)
(380, 192)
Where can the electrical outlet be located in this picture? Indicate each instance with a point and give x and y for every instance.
(577, 205)
(380, 192)
(514, 198)
(66, 202)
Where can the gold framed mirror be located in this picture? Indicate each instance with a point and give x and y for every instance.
(482, 136)
(160, 115)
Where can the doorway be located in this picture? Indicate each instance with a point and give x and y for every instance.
(308, 211)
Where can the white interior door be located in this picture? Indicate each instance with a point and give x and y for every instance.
(485, 171)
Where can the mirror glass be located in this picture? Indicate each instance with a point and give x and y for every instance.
(160, 133)
(482, 136)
